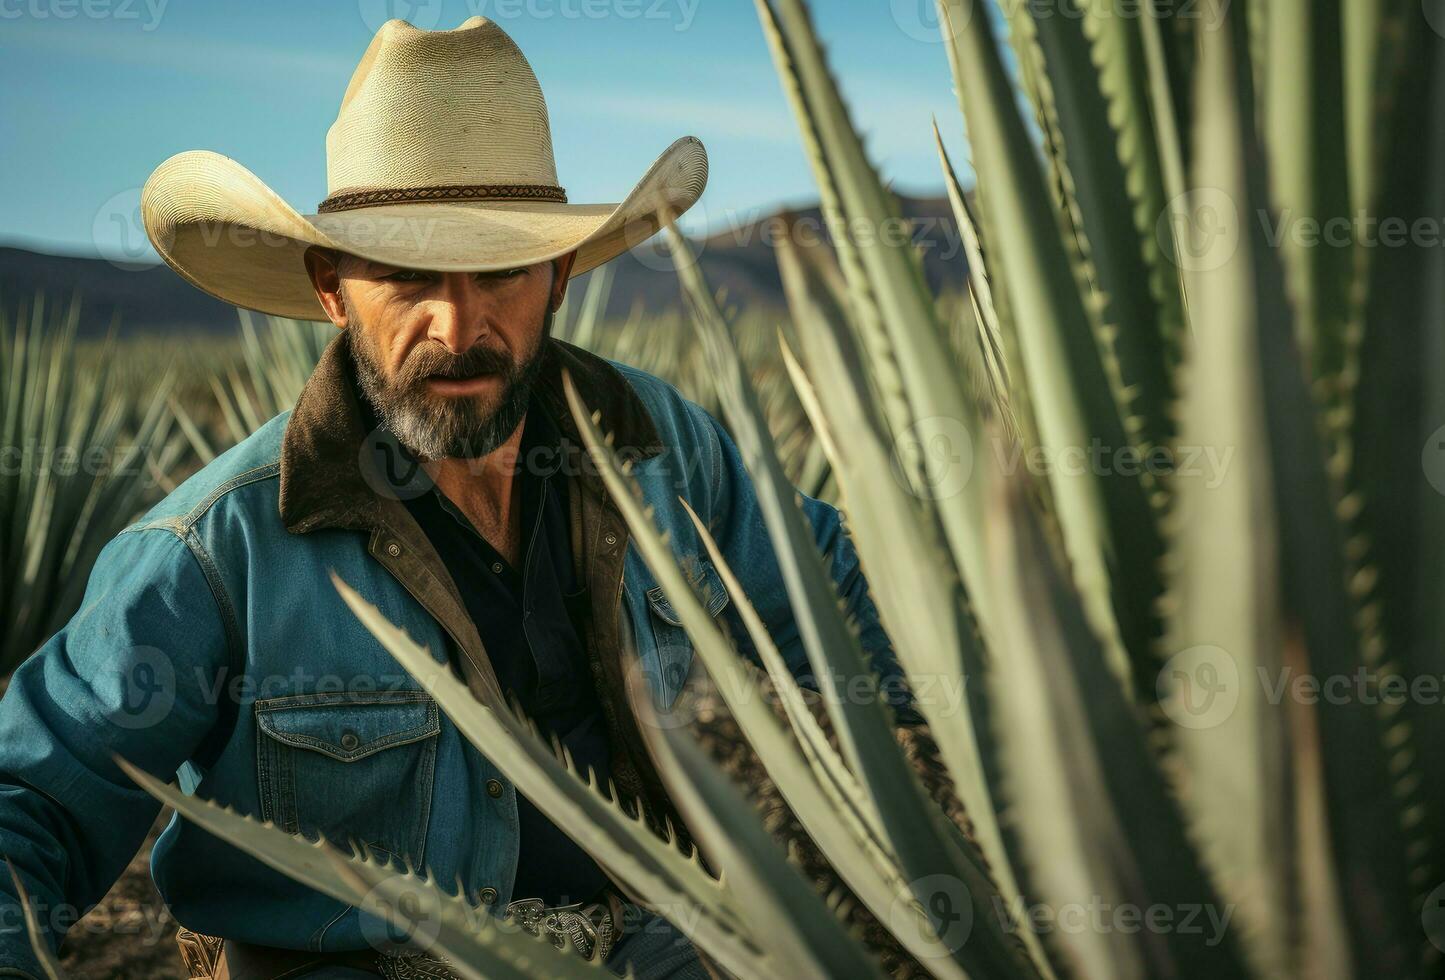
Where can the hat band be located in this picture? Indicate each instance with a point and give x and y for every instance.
(351, 200)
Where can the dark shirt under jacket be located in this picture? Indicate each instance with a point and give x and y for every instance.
(522, 615)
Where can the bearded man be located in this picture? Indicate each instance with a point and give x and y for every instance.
(432, 464)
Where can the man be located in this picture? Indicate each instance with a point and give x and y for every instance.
(432, 464)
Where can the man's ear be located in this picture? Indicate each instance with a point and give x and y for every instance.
(561, 272)
(323, 265)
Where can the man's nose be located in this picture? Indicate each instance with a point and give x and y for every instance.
(459, 312)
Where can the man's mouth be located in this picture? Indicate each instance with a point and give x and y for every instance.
(443, 384)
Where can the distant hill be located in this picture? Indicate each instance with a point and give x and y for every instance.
(739, 260)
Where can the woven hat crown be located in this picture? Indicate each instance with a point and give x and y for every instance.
(441, 109)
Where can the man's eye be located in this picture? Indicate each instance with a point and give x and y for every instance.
(408, 275)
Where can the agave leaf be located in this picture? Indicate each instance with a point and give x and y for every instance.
(1367, 820)
(1133, 816)
(1304, 126)
(833, 649)
(832, 775)
(917, 832)
(989, 336)
(865, 316)
(38, 944)
(936, 400)
(477, 944)
(594, 301)
(1061, 839)
(1105, 514)
(821, 791)
(1398, 518)
(1226, 627)
(1096, 59)
(662, 877)
(921, 606)
(802, 935)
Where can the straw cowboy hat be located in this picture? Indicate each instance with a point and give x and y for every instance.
(440, 158)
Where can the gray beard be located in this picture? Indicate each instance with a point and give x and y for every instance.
(434, 427)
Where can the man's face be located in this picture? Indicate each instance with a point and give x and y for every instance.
(447, 359)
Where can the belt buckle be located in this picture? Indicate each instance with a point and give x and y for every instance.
(413, 966)
(588, 927)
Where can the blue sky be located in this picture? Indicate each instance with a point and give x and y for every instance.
(97, 92)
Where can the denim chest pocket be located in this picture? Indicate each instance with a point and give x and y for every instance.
(350, 766)
(674, 648)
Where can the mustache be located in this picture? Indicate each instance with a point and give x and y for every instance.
(435, 361)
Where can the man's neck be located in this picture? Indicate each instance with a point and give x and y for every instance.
(486, 491)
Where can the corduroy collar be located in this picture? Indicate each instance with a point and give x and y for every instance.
(323, 484)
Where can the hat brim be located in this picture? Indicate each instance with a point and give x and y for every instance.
(224, 231)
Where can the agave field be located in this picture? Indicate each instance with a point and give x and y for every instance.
(1157, 506)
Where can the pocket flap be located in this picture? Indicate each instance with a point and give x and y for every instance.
(349, 726)
(706, 583)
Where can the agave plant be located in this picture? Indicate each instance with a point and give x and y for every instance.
(79, 458)
(276, 362)
(1124, 740)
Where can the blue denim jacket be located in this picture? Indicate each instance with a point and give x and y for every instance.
(212, 645)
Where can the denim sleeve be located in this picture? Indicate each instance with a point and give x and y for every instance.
(749, 551)
(134, 673)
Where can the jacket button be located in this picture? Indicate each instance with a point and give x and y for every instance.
(494, 788)
(489, 896)
(394, 550)
(610, 538)
(349, 741)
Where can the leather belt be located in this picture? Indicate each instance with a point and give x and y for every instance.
(591, 928)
